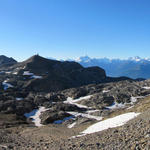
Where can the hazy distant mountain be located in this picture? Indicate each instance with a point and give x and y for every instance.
(134, 67)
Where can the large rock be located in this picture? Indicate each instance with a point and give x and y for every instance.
(49, 116)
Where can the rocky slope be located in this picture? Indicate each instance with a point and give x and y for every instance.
(37, 114)
(6, 61)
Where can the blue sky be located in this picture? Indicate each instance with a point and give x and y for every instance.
(72, 28)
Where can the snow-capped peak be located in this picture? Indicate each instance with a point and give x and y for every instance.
(83, 58)
(136, 58)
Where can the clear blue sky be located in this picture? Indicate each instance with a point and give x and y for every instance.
(73, 28)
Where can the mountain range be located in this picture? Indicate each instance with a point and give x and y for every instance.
(51, 104)
(132, 67)
(52, 75)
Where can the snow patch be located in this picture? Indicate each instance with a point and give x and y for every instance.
(74, 101)
(134, 99)
(72, 125)
(130, 107)
(27, 73)
(110, 123)
(19, 98)
(87, 113)
(36, 77)
(15, 73)
(106, 91)
(8, 72)
(116, 105)
(7, 85)
(35, 115)
(146, 87)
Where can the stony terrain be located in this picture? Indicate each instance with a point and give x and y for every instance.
(37, 113)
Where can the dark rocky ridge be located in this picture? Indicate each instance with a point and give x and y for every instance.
(6, 61)
(61, 75)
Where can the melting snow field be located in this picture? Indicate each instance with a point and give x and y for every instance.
(110, 123)
(74, 101)
(86, 114)
(35, 115)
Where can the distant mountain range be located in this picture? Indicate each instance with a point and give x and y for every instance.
(134, 67)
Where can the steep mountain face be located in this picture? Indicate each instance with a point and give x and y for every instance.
(6, 60)
(132, 67)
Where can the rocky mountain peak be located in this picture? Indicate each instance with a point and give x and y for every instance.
(6, 60)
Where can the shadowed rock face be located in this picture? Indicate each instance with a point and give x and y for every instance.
(6, 60)
(58, 75)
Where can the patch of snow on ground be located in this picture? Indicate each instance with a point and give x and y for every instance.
(92, 111)
(24, 67)
(19, 98)
(130, 107)
(74, 101)
(134, 99)
(110, 123)
(27, 73)
(15, 73)
(35, 115)
(72, 125)
(76, 114)
(82, 98)
(146, 87)
(7, 85)
(6, 80)
(106, 91)
(121, 105)
(87, 113)
(36, 77)
(8, 72)
(116, 105)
